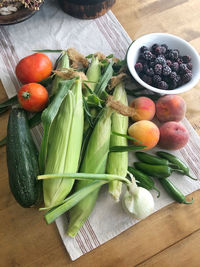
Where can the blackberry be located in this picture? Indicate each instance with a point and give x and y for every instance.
(180, 82)
(168, 62)
(166, 70)
(179, 60)
(183, 68)
(151, 64)
(147, 55)
(141, 59)
(187, 77)
(149, 72)
(178, 78)
(158, 50)
(138, 67)
(157, 79)
(143, 48)
(173, 54)
(168, 53)
(164, 49)
(166, 79)
(163, 85)
(186, 59)
(158, 69)
(172, 85)
(146, 79)
(165, 46)
(189, 66)
(145, 67)
(154, 46)
(153, 57)
(160, 60)
(175, 66)
(176, 53)
(173, 76)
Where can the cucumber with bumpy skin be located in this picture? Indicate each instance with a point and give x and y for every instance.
(22, 160)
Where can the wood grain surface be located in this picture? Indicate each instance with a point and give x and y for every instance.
(170, 237)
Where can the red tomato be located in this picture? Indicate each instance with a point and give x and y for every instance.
(33, 68)
(33, 97)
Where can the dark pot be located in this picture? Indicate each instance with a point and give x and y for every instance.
(86, 9)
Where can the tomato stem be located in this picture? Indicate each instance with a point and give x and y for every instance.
(26, 95)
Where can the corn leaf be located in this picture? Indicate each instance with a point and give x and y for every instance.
(48, 50)
(126, 136)
(126, 148)
(62, 62)
(12, 101)
(2, 110)
(104, 80)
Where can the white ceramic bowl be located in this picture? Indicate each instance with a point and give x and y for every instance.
(173, 42)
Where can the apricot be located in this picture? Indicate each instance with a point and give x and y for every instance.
(146, 132)
(170, 108)
(144, 108)
(173, 135)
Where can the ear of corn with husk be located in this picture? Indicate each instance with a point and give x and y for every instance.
(94, 162)
(64, 145)
(94, 73)
(118, 161)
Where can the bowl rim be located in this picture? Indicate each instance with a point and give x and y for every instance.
(180, 89)
(19, 16)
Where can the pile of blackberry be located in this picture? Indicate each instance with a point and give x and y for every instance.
(162, 67)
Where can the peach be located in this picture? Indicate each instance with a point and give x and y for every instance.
(170, 108)
(146, 132)
(173, 135)
(144, 108)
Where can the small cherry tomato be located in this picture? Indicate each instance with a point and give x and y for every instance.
(33, 68)
(33, 97)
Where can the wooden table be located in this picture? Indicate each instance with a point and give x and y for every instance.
(170, 237)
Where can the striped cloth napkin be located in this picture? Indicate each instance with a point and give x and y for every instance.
(53, 29)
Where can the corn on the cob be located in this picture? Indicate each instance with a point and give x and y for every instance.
(63, 62)
(94, 72)
(118, 161)
(64, 145)
(94, 162)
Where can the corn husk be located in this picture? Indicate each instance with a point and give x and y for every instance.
(94, 162)
(64, 145)
(118, 161)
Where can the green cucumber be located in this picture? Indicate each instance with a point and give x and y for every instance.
(22, 160)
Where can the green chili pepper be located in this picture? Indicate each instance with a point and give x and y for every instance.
(158, 171)
(173, 191)
(176, 161)
(151, 159)
(143, 180)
